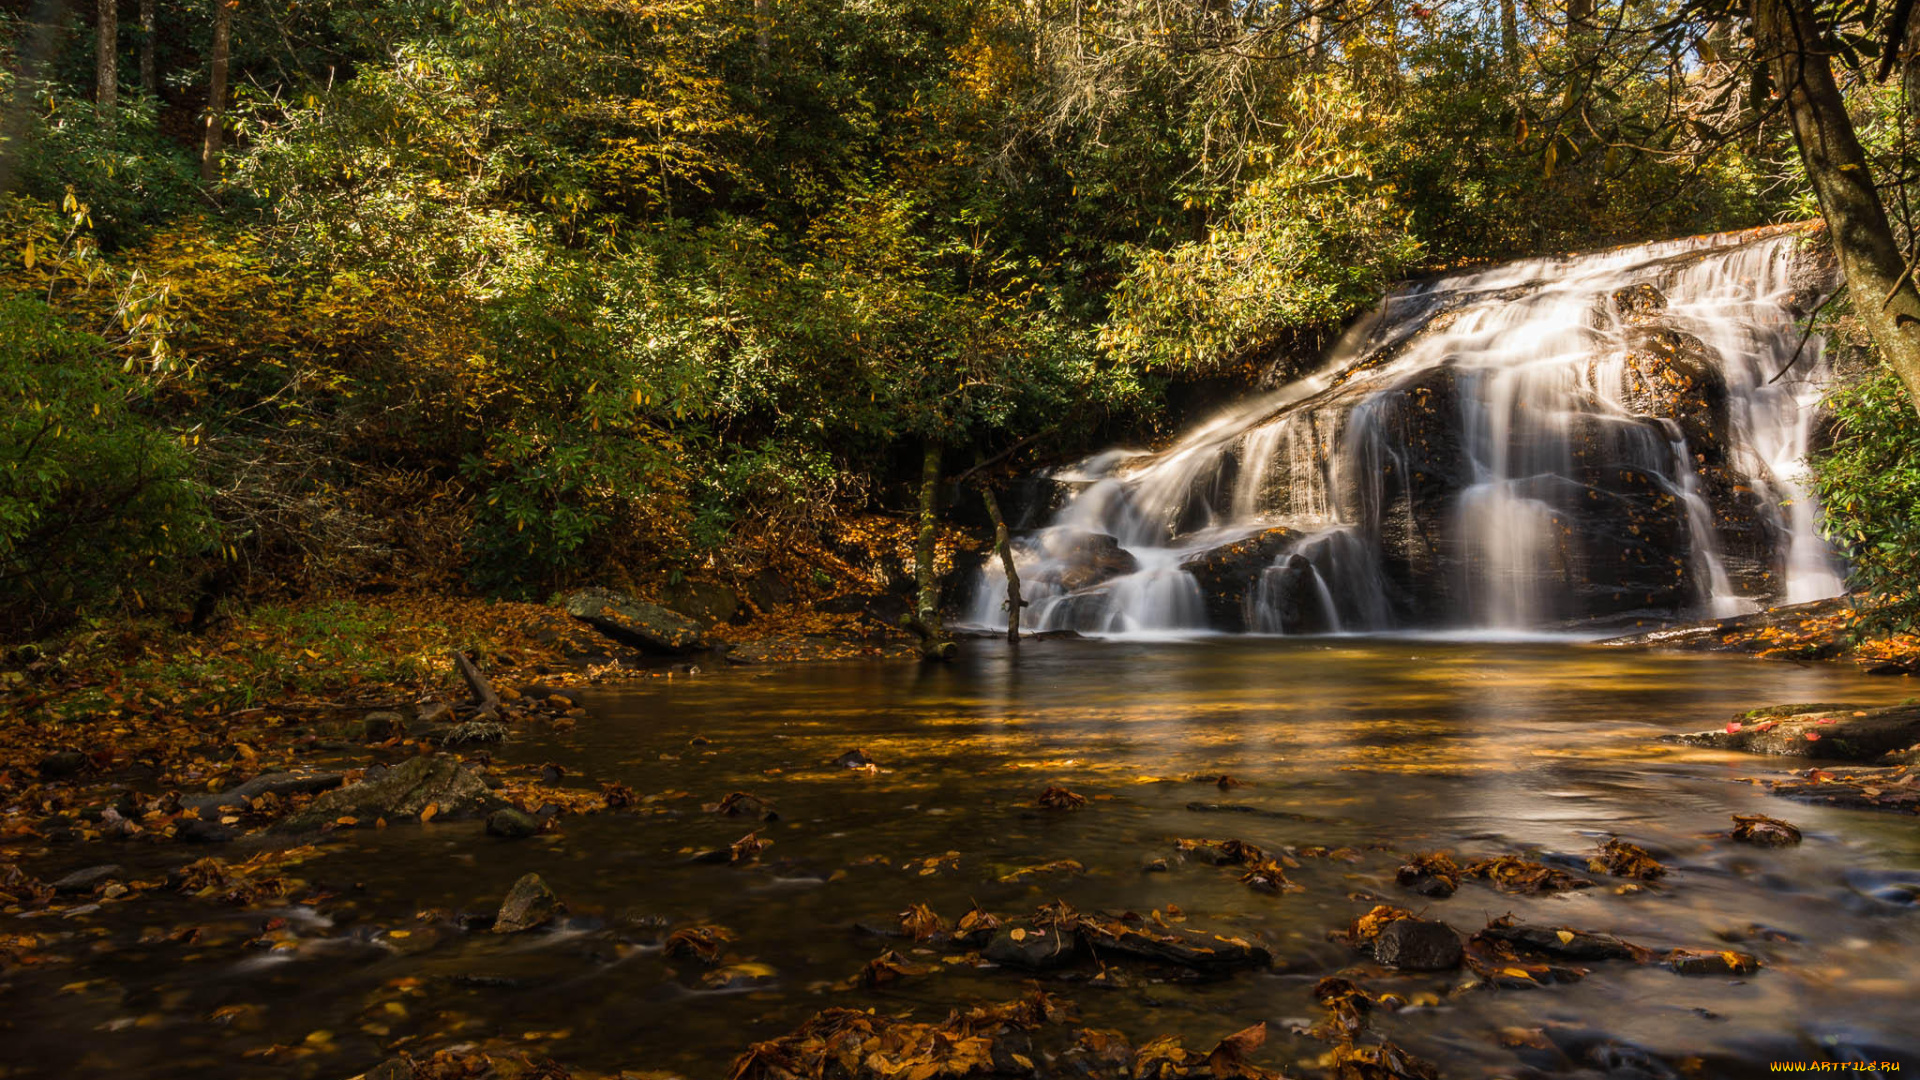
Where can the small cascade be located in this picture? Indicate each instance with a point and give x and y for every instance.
(1550, 443)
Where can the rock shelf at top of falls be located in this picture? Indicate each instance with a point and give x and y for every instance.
(1577, 442)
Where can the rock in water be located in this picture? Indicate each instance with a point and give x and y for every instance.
(1034, 950)
(528, 904)
(1418, 945)
(644, 626)
(1822, 732)
(404, 792)
(381, 725)
(81, 881)
(512, 824)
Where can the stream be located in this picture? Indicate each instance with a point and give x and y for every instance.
(1386, 745)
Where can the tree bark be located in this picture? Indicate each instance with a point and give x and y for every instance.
(1003, 544)
(1510, 36)
(149, 75)
(1884, 298)
(934, 644)
(36, 50)
(106, 58)
(217, 92)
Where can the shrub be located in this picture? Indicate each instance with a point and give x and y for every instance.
(97, 503)
(1869, 484)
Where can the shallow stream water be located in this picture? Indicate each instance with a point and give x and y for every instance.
(1386, 745)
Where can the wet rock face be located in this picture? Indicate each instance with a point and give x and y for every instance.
(1411, 439)
(1226, 573)
(1623, 547)
(1075, 559)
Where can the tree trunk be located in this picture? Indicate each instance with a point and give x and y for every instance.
(217, 92)
(1003, 543)
(149, 76)
(1510, 36)
(1884, 297)
(106, 59)
(762, 30)
(933, 638)
(35, 50)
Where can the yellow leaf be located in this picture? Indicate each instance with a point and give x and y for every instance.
(1565, 936)
(427, 814)
(1018, 935)
(1518, 973)
(29, 256)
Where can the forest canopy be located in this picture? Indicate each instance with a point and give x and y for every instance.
(513, 294)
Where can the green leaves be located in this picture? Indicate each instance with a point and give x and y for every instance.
(96, 498)
(1869, 486)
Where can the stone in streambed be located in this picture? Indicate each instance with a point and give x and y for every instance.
(1563, 943)
(1033, 950)
(381, 725)
(404, 792)
(281, 784)
(81, 881)
(1418, 945)
(200, 831)
(529, 904)
(512, 824)
(1711, 962)
(61, 765)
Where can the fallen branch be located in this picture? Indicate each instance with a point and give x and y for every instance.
(483, 694)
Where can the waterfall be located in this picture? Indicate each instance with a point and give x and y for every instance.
(1554, 442)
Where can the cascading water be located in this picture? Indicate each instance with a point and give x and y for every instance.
(1548, 442)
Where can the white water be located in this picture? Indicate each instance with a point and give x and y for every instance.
(1493, 450)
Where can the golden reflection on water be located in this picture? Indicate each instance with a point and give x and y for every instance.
(1386, 746)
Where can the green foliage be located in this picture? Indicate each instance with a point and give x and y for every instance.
(584, 287)
(129, 175)
(1869, 486)
(1295, 252)
(96, 499)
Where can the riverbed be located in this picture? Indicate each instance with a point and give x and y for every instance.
(1384, 746)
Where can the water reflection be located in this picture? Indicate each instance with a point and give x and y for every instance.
(1388, 746)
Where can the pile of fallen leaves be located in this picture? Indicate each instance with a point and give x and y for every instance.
(999, 1039)
(1862, 787)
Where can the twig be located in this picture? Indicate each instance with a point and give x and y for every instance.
(1008, 452)
(1811, 319)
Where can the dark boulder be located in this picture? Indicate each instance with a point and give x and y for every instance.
(1229, 573)
(767, 590)
(62, 764)
(1418, 945)
(702, 601)
(529, 904)
(511, 824)
(635, 623)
